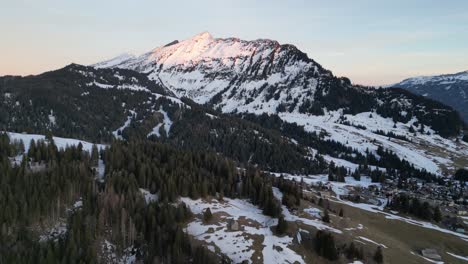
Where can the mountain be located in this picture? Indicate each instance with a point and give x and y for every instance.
(450, 89)
(102, 104)
(264, 77)
(225, 151)
(204, 69)
(75, 101)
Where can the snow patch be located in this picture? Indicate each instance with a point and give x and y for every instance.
(167, 123)
(60, 142)
(117, 133)
(149, 197)
(458, 256)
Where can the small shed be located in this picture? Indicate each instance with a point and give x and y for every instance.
(233, 225)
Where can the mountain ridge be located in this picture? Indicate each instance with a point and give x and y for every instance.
(259, 76)
(450, 89)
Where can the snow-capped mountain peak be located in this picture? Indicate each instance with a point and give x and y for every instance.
(228, 71)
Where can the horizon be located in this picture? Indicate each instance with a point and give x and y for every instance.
(372, 44)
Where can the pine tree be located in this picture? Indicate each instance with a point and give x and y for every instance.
(325, 245)
(437, 214)
(49, 136)
(207, 216)
(326, 217)
(378, 256)
(282, 225)
(352, 252)
(94, 155)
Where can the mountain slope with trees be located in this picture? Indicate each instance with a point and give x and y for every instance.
(450, 89)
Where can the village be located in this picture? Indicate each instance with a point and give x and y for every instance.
(451, 198)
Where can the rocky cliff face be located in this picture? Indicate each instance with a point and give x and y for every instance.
(230, 73)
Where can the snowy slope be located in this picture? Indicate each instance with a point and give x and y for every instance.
(451, 89)
(237, 245)
(202, 66)
(422, 150)
(115, 61)
(445, 79)
(59, 141)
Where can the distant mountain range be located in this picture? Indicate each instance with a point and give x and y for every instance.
(450, 89)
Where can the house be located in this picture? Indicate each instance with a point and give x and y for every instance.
(431, 253)
(462, 212)
(233, 225)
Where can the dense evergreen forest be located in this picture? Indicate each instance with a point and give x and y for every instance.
(51, 185)
(44, 187)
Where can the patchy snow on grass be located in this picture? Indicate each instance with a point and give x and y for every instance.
(314, 212)
(232, 244)
(358, 227)
(339, 188)
(288, 216)
(425, 225)
(430, 260)
(380, 209)
(237, 245)
(415, 151)
(372, 241)
(458, 256)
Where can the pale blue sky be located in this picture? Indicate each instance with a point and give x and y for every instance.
(370, 41)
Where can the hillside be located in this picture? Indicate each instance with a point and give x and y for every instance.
(450, 89)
